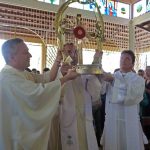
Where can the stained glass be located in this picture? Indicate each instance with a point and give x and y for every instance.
(111, 8)
(50, 1)
(139, 8)
(148, 6)
(107, 7)
(123, 10)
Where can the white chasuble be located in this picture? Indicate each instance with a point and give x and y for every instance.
(122, 130)
(76, 121)
(26, 109)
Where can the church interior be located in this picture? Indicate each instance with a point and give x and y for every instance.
(126, 26)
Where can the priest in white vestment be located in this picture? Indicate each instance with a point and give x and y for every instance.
(122, 130)
(26, 107)
(76, 120)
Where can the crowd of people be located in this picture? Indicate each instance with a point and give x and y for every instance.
(145, 103)
(63, 110)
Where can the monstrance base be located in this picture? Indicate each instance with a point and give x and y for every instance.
(89, 69)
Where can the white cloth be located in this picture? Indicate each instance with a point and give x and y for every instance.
(26, 109)
(122, 130)
(76, 120)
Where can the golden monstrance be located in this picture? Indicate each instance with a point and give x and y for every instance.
(80, 34)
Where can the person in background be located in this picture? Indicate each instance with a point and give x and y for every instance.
(122, 129)
(141, 72)
(34, 70)
(46, 69)
(26, 107)
(28, 69)
(147, 87)
(146, 110)
(144, 103)
(38, 72)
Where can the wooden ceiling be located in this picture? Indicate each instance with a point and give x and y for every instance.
(145, 26)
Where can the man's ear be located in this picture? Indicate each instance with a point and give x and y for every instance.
(12, 58)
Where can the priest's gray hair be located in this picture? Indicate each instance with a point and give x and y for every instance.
(9, 48)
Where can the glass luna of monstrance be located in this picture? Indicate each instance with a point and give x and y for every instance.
(80, 34)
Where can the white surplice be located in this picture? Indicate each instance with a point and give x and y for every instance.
(26, 109)
(76, 120)
(122, 130)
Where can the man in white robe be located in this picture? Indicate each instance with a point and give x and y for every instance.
(76, 120)
(122, 130)
(26, 107)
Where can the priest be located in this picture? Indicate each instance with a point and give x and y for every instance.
(26, 106)
(78, 97)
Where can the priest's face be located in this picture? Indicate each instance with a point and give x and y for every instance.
(22, 57)
(126, 63)
(72, 52)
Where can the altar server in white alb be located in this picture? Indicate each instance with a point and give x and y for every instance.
(26, 107)
(122, 130)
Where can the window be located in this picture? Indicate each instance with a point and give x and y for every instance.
(2, 61)
(143, 60)
(107, 7)
(107, 59)
(123, 10)
(91, 7)
(139, 8)
(111, 8)
(36, 52)
(51, 55)
(76, 5)
(148, 6)
(50, 1)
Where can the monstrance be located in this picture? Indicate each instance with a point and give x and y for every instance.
(80, 33)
